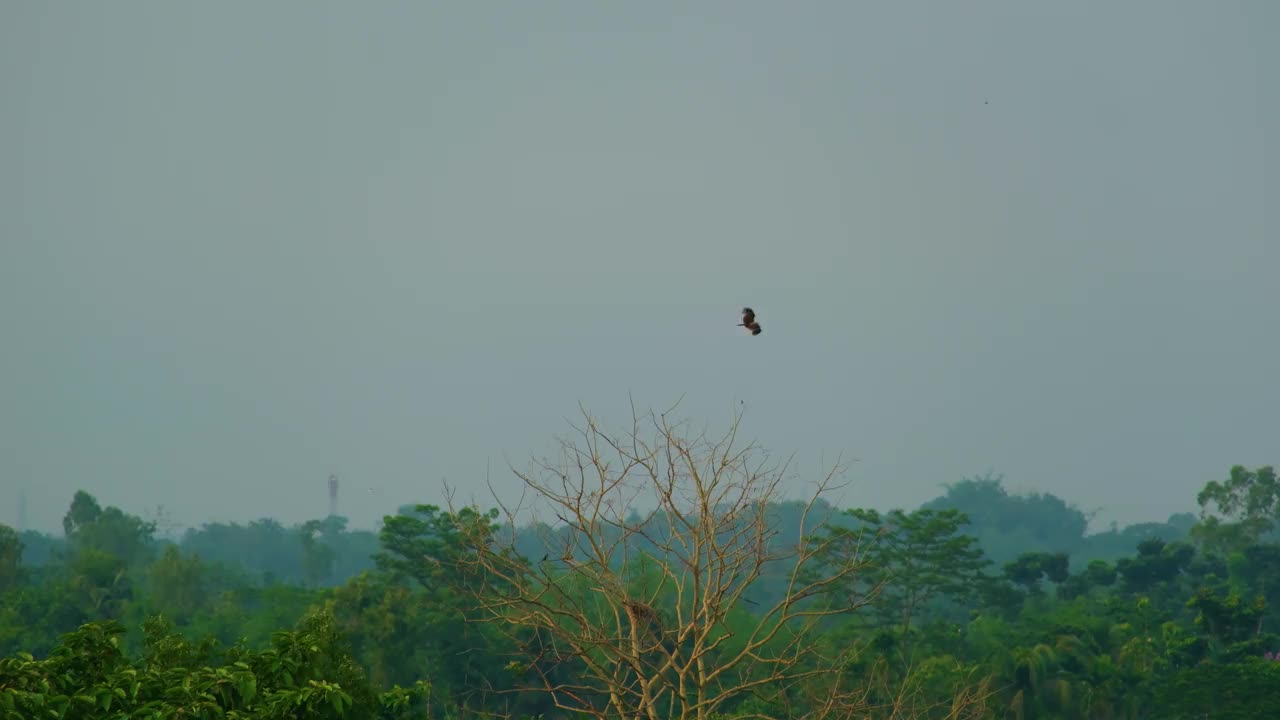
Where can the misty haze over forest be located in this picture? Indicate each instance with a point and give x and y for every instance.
(247, 246)
(399, 360)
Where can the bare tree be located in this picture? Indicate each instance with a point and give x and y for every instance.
(642, 615)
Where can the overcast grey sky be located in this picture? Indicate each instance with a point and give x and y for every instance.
(244, 244)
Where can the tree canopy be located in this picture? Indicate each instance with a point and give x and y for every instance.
(718, 598)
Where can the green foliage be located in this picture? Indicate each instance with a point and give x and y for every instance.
(1247, 504)
(427, 545)
(1030, 568)
(1232, 624)
(1165, 620)
(1244, 495)
(1245, 690)
(112, 531)
(317, 557)
(11, 548)
(39, 549)
(320, 553)
(177, 584)
(1156, 564)
(305, 673)
(912, 559)
(1009, 525)
(1098, 575)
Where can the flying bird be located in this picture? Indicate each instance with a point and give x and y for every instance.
(749, 321)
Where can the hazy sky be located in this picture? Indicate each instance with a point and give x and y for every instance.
(245, 244)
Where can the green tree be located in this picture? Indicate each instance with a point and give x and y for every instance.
(1008, 525)
(1097, 575)
(1029, 569)
(10, 558)
(1239, 510)
(317, 556)
(912, 560)
(177, 585)
(1231, 624)
(112, 531)
(1157, 566)
(1245, 690)
(427, 546)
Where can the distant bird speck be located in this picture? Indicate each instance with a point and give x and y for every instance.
(749, 321)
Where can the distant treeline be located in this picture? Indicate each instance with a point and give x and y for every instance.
(979, 588)
(325, 553)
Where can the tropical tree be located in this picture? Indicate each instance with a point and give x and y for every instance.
(911, 559)
(1239, 510)
(88, 526)
(1029, 569)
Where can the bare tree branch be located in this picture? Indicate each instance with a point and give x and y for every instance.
(643, 614)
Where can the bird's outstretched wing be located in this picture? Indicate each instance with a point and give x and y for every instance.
(748, 317)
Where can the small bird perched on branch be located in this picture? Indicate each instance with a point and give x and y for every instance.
(749, 321)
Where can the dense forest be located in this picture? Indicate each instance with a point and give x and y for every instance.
(716, 598)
